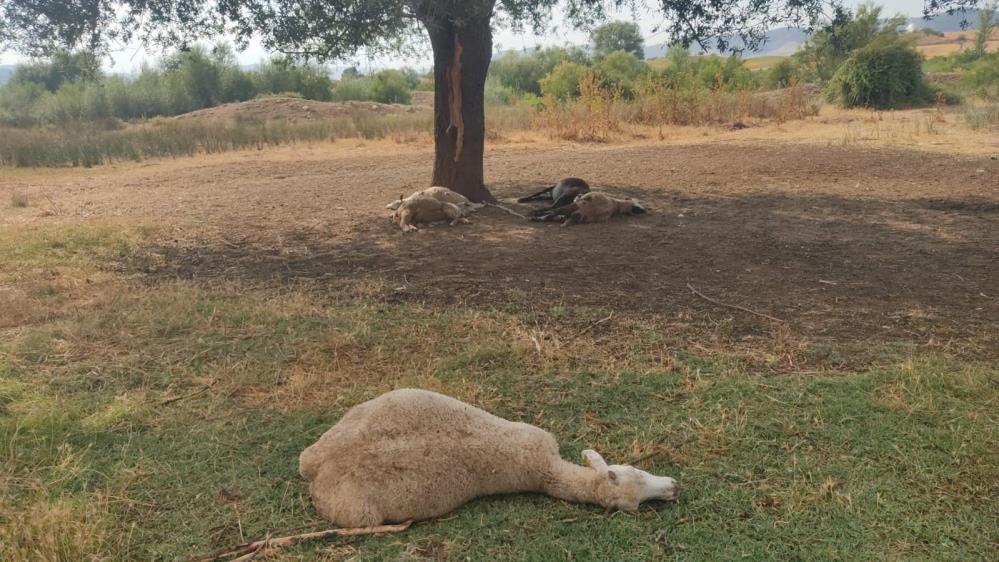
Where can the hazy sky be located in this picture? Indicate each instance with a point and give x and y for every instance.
(131, 58)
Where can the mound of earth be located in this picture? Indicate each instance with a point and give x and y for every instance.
(294, 109)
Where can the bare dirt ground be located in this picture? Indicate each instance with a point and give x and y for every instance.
(844, 243)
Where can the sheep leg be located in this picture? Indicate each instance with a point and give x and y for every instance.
(453, 213)
(572, 219)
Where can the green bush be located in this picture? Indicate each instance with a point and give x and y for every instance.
(827, 49)
(19, 101)
(622, 70)
(563, 81)
(618, 36)
(523, 73)
(982, 77)
(61, 68)
(711, 72)
(352, 89)
(783, 74)
(283, 75)
(384, 86)
(880, 77)
(237, 85)
(496, 93)
(391, 86)
(68, 88)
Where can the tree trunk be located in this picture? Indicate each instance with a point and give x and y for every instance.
(462, 51)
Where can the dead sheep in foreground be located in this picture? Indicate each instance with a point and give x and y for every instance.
(426, 210)
(413, 455)
(441, 194)
(593, 207)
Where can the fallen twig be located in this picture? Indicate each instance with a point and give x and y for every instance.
(595, 324)
(734, 306)
(655, 453)
(248, 551)
(201, 390)
(253, 553)
(511, 211)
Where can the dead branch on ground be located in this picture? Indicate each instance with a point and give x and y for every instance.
(248, 551)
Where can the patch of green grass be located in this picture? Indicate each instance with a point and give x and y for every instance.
(167, 421)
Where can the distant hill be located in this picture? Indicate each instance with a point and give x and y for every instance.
(785, 41)
(947, 23)
(779, 42)
(6, 71)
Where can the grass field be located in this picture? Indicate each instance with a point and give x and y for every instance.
(890, 460)
(158, 378)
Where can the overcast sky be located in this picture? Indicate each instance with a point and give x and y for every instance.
(129, 59)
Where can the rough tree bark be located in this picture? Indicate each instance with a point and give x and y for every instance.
(462, 51)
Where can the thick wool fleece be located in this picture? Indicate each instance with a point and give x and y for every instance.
(415, 454)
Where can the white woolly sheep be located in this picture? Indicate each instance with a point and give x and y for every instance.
(426, 210)
(414, 454)
(441, 194)
(594, 207)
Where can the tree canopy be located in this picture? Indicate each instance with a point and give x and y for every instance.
(618, 36)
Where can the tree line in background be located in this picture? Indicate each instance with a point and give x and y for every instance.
(72, 87)
(859, 59)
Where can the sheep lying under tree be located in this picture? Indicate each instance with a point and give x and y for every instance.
(593, 207)
(413, 455)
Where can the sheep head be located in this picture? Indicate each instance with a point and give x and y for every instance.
(624, 487)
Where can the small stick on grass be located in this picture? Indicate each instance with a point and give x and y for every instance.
(733, 306)
(595, 324)
(253, 553)
(249, 551)
(201, 390)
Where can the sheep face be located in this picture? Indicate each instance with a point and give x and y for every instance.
(628, 487)
(624, 487)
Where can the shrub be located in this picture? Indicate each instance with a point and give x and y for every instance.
(18, 103)
(621, 69)
(618, 36)
(352, 89)
(827, 49)
(496, 93)
(563, 81)
(391, 86)
(783, 74)
(236, 85)
(880, 77)
(283, 75)
(986, 117)
(982, 77)
(61, 68)
(523, 73)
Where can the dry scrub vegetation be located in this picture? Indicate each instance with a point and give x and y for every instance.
(598, 115)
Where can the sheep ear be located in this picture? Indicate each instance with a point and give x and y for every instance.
(612, 475)
(594, 460)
